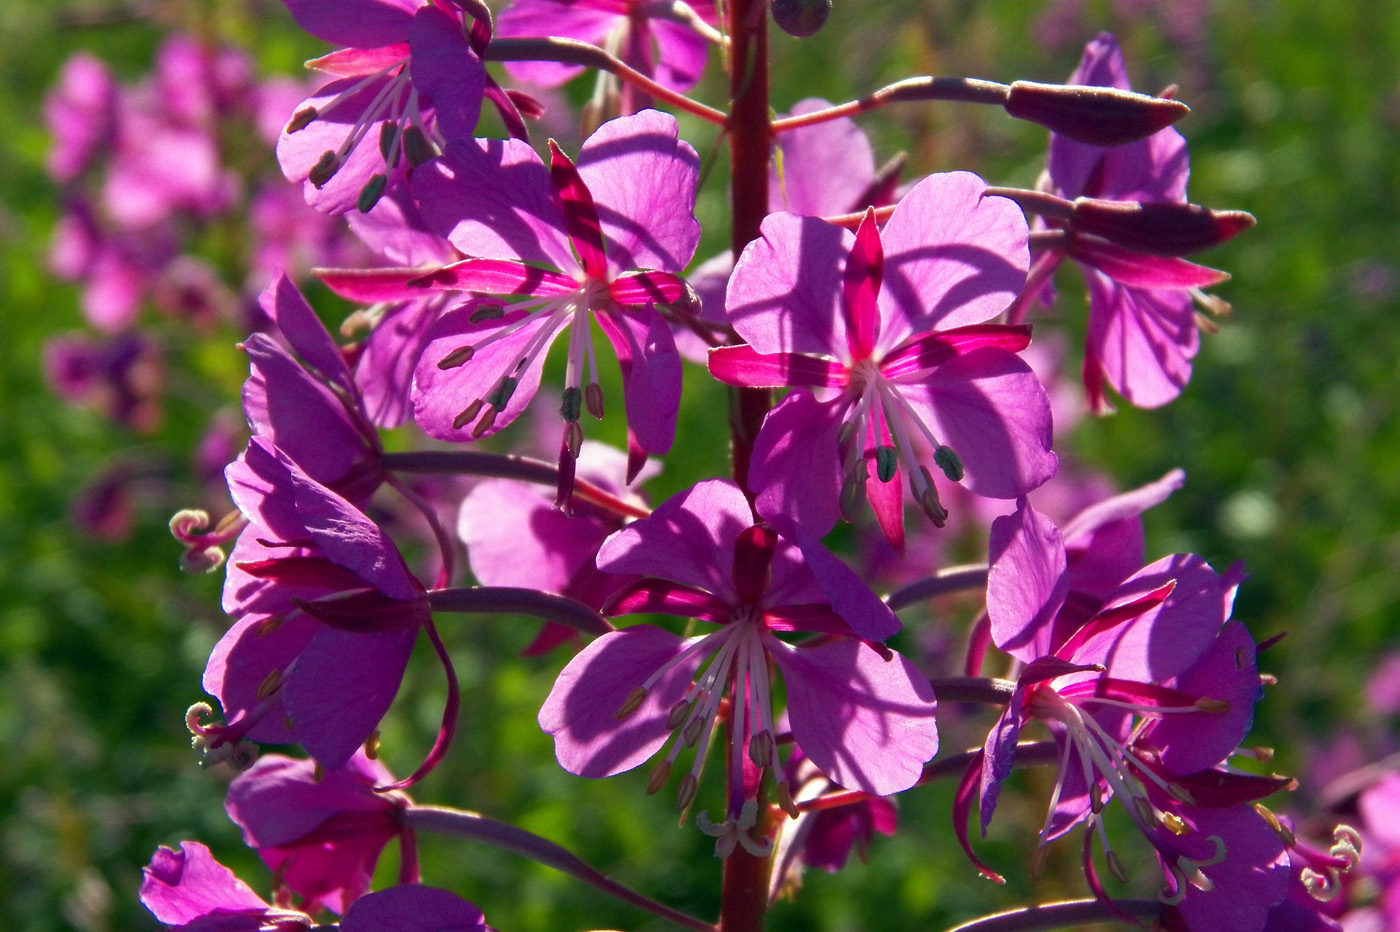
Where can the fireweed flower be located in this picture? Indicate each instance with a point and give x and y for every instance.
(1141, 689)
(327, 616)
(407, 82)
(189, 890)
(1142, 331)
(320, 832)
(881, 334)
(601, 242)
(863, 715)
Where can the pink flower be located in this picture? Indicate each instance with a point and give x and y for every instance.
(864, 716)
(882, 334)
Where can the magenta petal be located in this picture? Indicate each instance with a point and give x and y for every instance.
(1143, 340)
(300, 151)
(368, 286)
(850, 597)
(357, 23)
(580, 214)
(990, 408)
(785, 293)
(179, 887)
(283, 302)
(551, 18)
(639, 289)
(688, 539)
(1227, 672)
(1252, 878)
(796, 468)
(1026, 582)
(280, 800)
(412, 908)
(1140, 270)
(580, 711)
(342, 685)
(643, 178)
(998, 756)
(446, 71)
(651, 375)
(440, 395)
(493, 198)
(494, 277)
(385, 370)
(953, 256)
(866, 722)
(825, 167)
(860, 287)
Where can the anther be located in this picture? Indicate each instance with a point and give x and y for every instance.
(417, 147)
(388, 135)
(500, 397)
(301, 119)
(685, 793)
(1175, 824)
(761, 749)
(268, 625)
(1181, 794)
(1145, 811)
(852, 497)
(1115, 866)
(1213, 706)
(324, 169)
(928, 499)
(572, 406)
(482, 426)
(372, 745)
(886, 463)
(785, 801)
(371, 193)
(318, 772)
(469, 412)
(678, 714)
(593, 399)
(573, 438)
(488, 311)
(457, 357)
(948, 461)
(847, 432)
(629, 705)
(658, 777)
(269, 684)
(693, 730)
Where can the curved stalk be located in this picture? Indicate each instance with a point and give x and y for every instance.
(1062, 915)
(508, 600)
(949, 579)
(928, 87)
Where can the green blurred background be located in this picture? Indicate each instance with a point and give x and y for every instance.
(1287, 433)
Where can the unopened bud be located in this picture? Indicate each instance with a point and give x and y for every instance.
(685, 793)
(593, 399)
(800, 18)
(629, 705)
(658, 777)
(324, 169)
(1100, 116)
(371, 193)
(1158, 229)
(301, 119)
(886, 463)
(457, 357)
(467, 415)
(948, 461)
(417, 147)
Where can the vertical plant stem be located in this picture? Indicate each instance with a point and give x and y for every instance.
(744, 891)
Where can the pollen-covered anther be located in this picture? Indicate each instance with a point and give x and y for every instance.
(1321, 886)
(488, 311)
(658, 777)
(572, 405)
(324, 169)
(633, 702)
(593, 399)
(948, 461)
(1175, 823)
(1115, 866)
(1213, 706)
(302, 119)
(1346, 846)
(372, 745)
(886, 463)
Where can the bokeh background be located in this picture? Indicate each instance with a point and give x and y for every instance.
(1287, 432)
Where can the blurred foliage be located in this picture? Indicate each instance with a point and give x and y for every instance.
(1288, 434)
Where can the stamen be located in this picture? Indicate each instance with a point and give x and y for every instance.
(1174, 823)
(658, 777)
(685, 793)
(948, 461)
(573, 404)
(633, 702)
(372, 745)
(467, 415)
(679, 711)
(886, 463)
(852, 497)
(371, 193)
(270, 683)
(301, 119)
(268, 625)
(487, 421)
(1115, 866)
(489, 311)
(785, 801)
(593, 399)
(324, 169)
(457, 357)
(500, 397)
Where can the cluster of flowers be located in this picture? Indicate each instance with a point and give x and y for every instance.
(896, 316)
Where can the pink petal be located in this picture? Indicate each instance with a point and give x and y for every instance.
(651, 375)
(953, 256)
(643, 180)
(742, 365)
(866, 722)
(1140, 270)
(1143, 340)
(796, 467)
(1026, 582)
(580, 711)
(359, 23)
(826, 167)
(179, 887)
(412, 908)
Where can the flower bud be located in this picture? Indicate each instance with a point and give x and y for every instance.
(1099, 116)
(1156, 228)
(801, 18)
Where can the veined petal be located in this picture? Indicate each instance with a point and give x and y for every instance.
(796, 466)
(370, 286)
(1026, 582)
(644, 287)
(651, 375)
(953, 256)
(860, 287)
(744, 366)
(446, 72)
(183, 887)
(581, 710)
(283, 302)
(359, 62)
(643, 177)
(663, 597)
(1143, 340)
(866, 722)
(359, 23)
